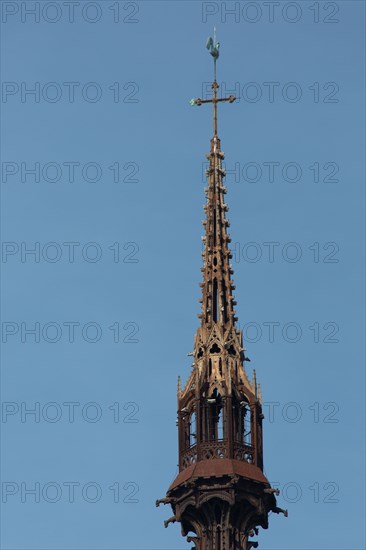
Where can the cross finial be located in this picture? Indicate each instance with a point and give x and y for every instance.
(213, 46)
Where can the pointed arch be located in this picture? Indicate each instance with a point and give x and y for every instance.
(215, 301)
(243, 420)
(213, 415)
(192, 428)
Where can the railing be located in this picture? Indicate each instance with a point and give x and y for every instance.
(214, 449)
(207, 451)
(217, 449)
(244, 452)
(189, 456)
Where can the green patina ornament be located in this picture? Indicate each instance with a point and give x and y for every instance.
(213, 46)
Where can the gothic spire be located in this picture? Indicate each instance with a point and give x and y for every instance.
(220, 494)
(217, 298)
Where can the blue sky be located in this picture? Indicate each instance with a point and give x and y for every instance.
(118, 155)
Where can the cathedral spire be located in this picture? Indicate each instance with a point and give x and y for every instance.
(220, 493)
(217, 299)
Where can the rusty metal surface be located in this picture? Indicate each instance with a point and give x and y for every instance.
(219, 468)
(221, 493)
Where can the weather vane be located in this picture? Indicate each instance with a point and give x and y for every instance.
(213, 46)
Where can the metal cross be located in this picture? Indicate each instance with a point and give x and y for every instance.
(213, 46)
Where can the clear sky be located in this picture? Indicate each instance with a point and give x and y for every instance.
(117, 155)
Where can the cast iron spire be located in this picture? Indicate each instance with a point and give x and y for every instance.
(220, 494)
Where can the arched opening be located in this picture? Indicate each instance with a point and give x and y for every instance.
(220, 424)
(243, 421)
(214, 417)
(247, 424)
(215, 301)
(192, 429)
(224, 312)
(214, 226)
